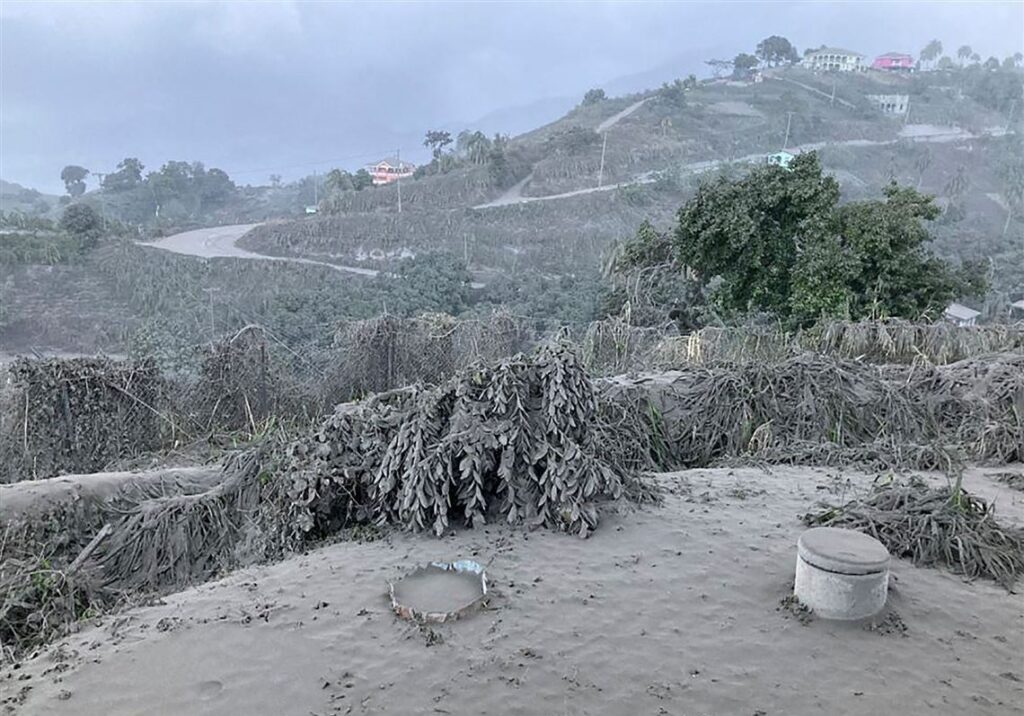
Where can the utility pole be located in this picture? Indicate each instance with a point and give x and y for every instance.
(103, 204)
(789, 119)
(213, 329)
(600, 173)
(398, 158)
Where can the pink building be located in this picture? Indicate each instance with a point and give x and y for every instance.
(893, 61)
(391, 169)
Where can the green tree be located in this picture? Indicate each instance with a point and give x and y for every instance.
(991, 64)
(83, 223)
(975, 58)
(436, 140)
(778, 241)
(478, 148)
(127, 176)
(931, 52)
(673, 94)
(337, 181)
(594, 96)
(362, 179)
(964, 54)
(742, 64)
(719, 67)
(946, 63)
(776, 50)
(73, 177)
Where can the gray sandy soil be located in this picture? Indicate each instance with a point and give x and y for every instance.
(670, 610)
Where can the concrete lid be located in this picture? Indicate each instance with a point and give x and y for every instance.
(842, 551)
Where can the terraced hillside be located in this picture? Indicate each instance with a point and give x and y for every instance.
(573, 187)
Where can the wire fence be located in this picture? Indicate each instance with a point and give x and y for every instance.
(76, 415)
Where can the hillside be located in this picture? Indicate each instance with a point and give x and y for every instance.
(560, 206)
(15, 197)
(532, 219)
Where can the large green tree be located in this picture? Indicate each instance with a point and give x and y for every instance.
(776, 50)
(742, 64)
(778, 241)
(127, 176)
(73, 177)
(436, 140)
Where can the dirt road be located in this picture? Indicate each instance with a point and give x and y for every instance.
(221, 242)
(514, 194)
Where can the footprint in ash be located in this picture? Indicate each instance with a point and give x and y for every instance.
(209, 689)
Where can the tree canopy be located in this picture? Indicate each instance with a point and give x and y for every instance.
(593, 96)
(83, 223)
(437, 140)
(73, 177)
(776, 50)
(931, 51)
(742, 64)
(128, 175)
(778, 241)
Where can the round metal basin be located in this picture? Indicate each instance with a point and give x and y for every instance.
(439, 591)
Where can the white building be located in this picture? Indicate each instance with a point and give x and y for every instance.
(832, 59)
(891, 103)
(961, 315)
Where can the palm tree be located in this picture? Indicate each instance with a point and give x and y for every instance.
(931, 51)
(964, 53)
(478, 146)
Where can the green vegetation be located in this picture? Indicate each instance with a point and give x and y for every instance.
(776, 50)
(73, 177)
(777, 241)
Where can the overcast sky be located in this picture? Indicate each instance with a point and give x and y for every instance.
(261, 88)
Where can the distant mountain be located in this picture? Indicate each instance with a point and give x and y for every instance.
(683, 64)
(519, 119)
(523, 118)
(15, 197)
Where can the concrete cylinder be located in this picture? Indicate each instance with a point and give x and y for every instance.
(841, 574)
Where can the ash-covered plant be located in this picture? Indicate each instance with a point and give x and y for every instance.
(78, 415)
(934, 526)
(514, 441)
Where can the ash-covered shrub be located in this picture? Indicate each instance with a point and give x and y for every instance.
(512, 441)
(78, 415)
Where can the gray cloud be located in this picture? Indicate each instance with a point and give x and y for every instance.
(254, 86)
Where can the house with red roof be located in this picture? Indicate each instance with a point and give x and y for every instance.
(893, 62)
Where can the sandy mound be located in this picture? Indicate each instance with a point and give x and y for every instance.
(670, 610)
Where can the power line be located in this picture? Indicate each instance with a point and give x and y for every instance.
(319, 162)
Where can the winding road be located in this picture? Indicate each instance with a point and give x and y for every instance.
(911, 132)
(221, 242)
